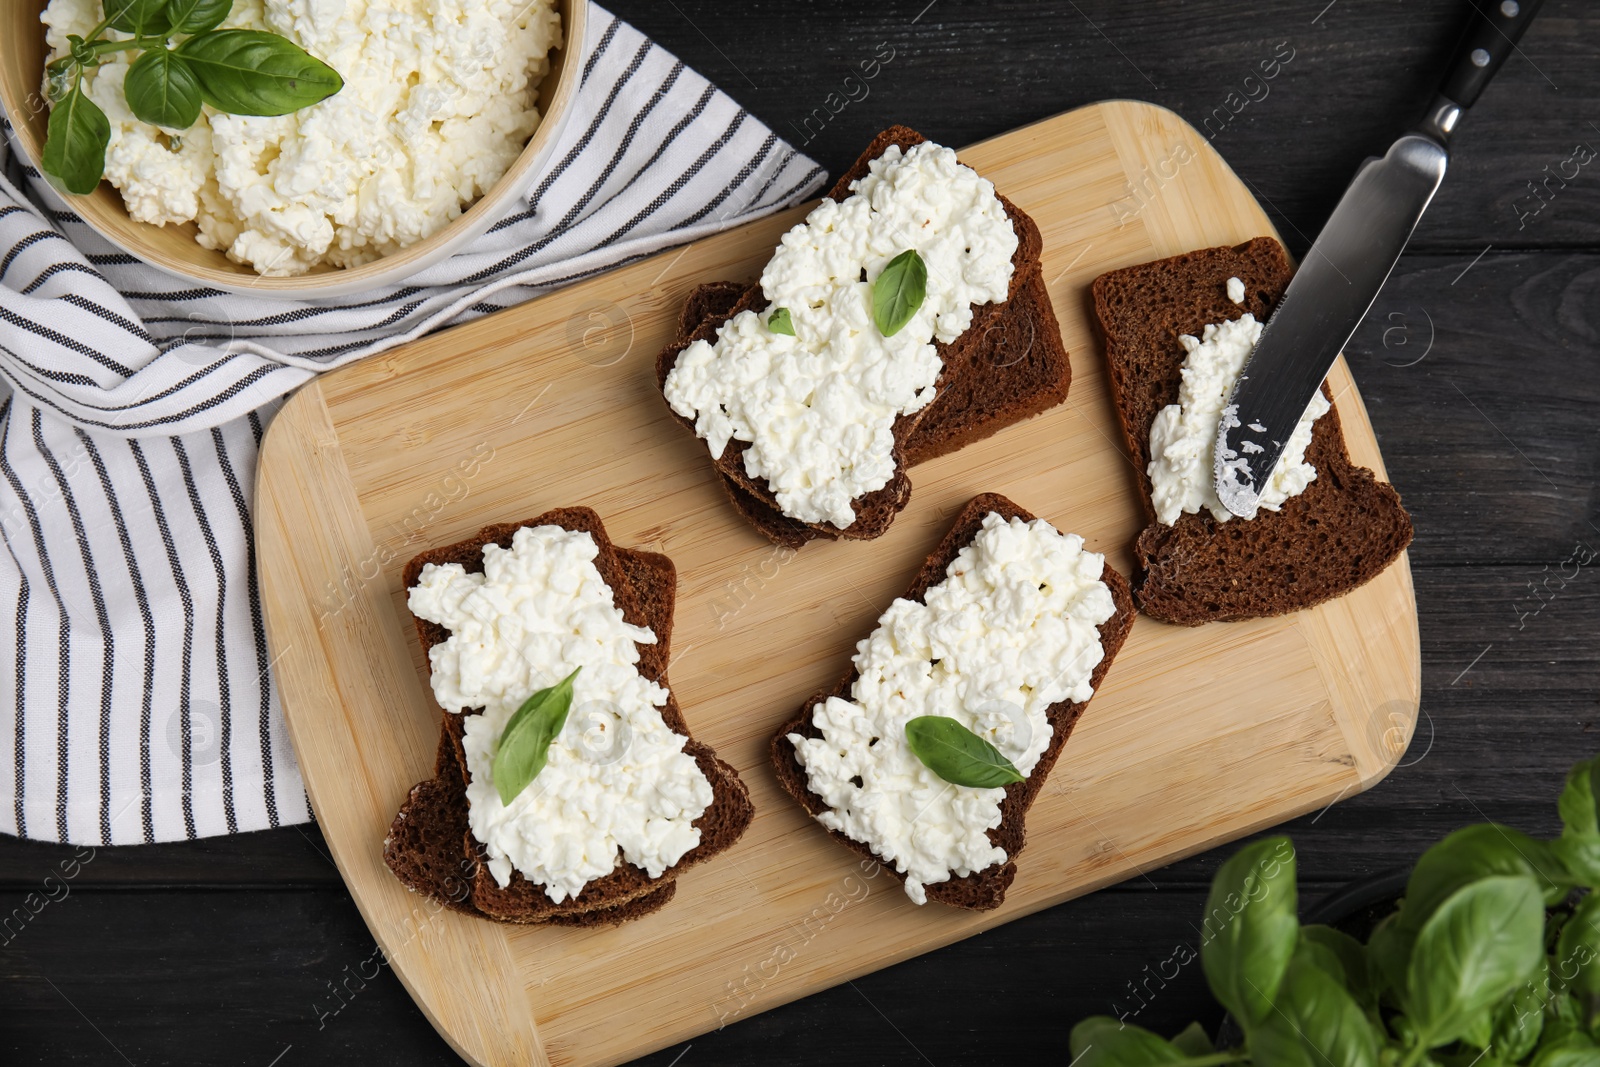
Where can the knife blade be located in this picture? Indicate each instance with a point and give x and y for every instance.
(1348, 263)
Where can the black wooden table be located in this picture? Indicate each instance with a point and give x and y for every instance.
(1480, 366)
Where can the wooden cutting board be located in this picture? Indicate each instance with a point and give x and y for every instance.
(1197, 736)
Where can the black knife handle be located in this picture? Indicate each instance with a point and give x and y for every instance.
(1490, 39)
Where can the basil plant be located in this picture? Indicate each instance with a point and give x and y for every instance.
(242, 72)
(1491, 958)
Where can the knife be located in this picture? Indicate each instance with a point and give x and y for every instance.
(1347, 266)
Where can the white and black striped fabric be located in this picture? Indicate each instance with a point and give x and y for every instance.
(136, 696)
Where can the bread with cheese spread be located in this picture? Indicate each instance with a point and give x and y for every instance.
(430, 847)
(1008, 365)
(984, 889)
(1340, 532)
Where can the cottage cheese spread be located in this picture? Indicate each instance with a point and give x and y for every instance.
(1183, 437)
(1010, 631)
(1236, 290)
(436, 106)
(818, 408)
(617, 776)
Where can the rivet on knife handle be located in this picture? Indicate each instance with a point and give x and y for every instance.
(1490, 39)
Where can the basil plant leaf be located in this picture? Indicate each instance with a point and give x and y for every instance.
(197, 16)
(1326, 945)
(1519, 1022)
(1101, 1041)
(1192, 1041)
(1273, 1043)
(1579, 844)
(781, 322)
(1250, 928)
(1325, 1020)
(1388, 958)
(1475, 852)
(75, 142)
(142, 18)
(1580, 816)
(1577, 960)
(161, 89)
(1483, 942)
(1572, 1049)
(252, 72)
(525, 742)
(958, 755)
(898, 292)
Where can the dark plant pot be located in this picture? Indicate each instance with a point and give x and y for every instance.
(1355, 910)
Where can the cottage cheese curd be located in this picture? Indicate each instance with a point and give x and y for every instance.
(1183, 437)
(818, 408)
(617, 776)
(436, 106)
(1010, 631)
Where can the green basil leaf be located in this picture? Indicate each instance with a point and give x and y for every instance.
(958, 755)
(525, 742)
(75, 142)
(1579, 814)
(1519, 1022)
(1579, 844)
(1348, 953)
(197, 16)
(161, 89)
(1250, 929)
(1577, 960)
(1273, 1043)
(780, 322)
(251, 72)
(898, 292)
(1192, 1041)
(1479, 1032)
(1475, 852)
(1580, 856)
(1101, 1041)
(1388, 958)
(1322, 1016)
(1483, 942)
(1571, 1049)
(142, 18)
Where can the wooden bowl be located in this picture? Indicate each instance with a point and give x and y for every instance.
(173, 248)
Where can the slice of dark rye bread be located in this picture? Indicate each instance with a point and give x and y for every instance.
(1341, 532)
(431, 849)
(985, 889)
(1009, 365)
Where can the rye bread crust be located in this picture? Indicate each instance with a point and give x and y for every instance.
(418, 848)
(1340, 533)
(985, 889)
(1009, 365)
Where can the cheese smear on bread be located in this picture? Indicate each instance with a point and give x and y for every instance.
(818, 408)
(1011, 630)
(1183, 437)
(617, 776)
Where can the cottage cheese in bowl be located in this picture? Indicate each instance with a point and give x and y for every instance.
(437, 104)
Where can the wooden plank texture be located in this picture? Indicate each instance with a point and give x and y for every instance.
(553, 404)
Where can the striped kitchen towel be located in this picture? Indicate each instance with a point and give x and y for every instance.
(136, 694)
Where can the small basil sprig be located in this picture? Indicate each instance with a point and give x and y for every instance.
(243, 72)
(958, 755)
(781, 322)
(525, 742)
(898, 292)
